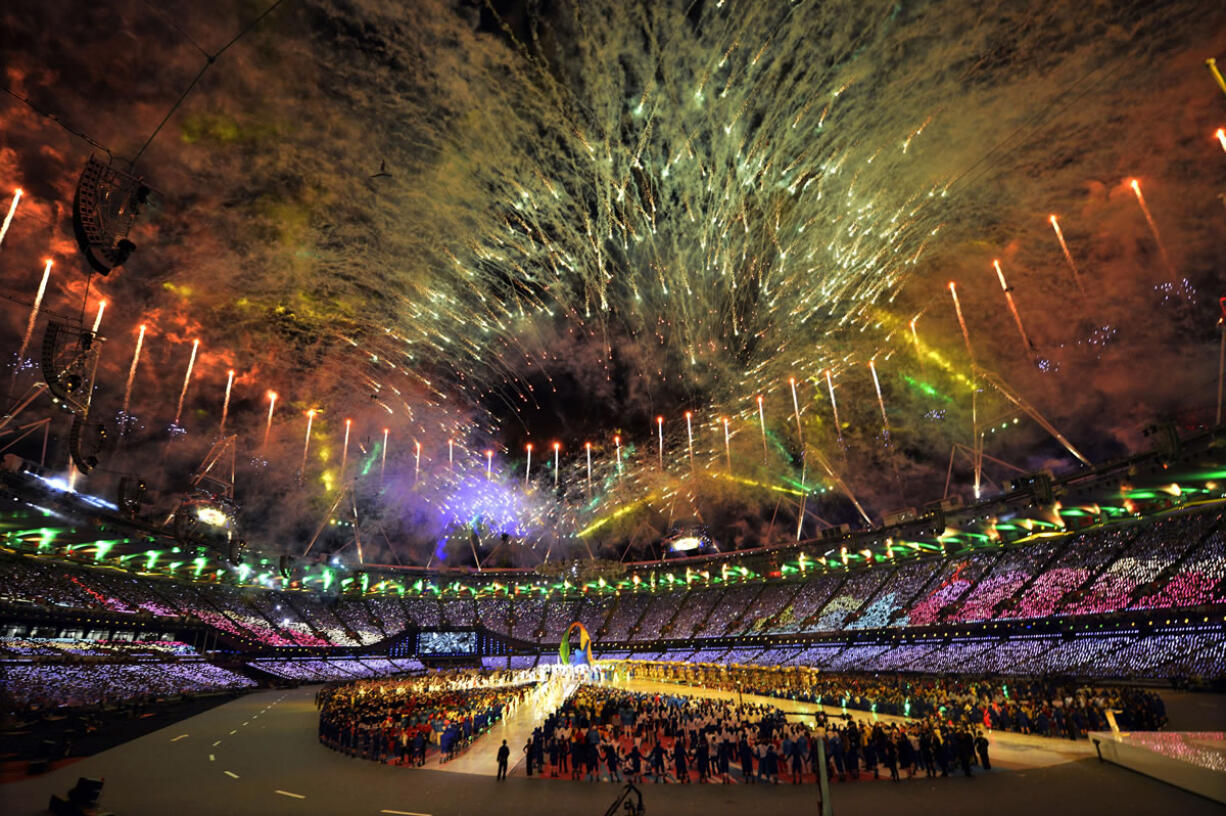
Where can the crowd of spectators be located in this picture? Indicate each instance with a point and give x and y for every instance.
(660, 611)
(1159, 564)
(525, 616)
(903, 584)
(850, 597)
(459, 612)
(71, 648)
(629, 608)
(32, 687)
(1180, 653)
(772, 601)
(696, 607)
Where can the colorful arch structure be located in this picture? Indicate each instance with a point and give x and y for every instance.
(584, 645)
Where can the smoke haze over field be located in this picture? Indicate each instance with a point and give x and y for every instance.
(557, 221)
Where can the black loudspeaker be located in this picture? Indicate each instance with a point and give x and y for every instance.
(1166, 439)
(81, 799)
(286, 566)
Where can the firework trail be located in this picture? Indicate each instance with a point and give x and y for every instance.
(834, 406)
(272, 406)
(885, 422)
(528, 466)
(557, 446)
(225, 404)
(1153, 227)
(127, 388)
(660, 432)
(306, 443)
(919, 355)
(1008, 290)
(416, 459)
(689, 436)
(383, 455)
(344, 447)
(98, 317)
(970, 352)
(728, 445)
(187, 378)
(1068, 256)
(800, 434)
(38, 303)
(8, 219)
(588, 446)
(762, 423)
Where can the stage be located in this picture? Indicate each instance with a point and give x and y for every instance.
(1192, 760)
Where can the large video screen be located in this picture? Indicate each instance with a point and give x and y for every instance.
(446, 643)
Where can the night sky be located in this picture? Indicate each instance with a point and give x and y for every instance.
(536, 222)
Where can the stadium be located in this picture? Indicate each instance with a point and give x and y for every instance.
(478, 407)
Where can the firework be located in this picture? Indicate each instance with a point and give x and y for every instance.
(557, 447)
(306, 443)
(689, 437)
(728, 445)
(383, 455)
(796, 410)
(344, 447)
(98, 317)
(1211, 63)
(1153, 227)
(127, 388)
(416, 459)
(272, 406)
(762, 424)
(1008, 290)
(617, 440)
(919, 355)
(187, 378)
(489, 465)
(588, 447)
(834, 407)
(8, 219)
(225, 404)
(660, 433)
(38, 303)
(885, 422)
(1068, 256)
(451, 454)
(1220, 133)
(970, 352)
(528, 467)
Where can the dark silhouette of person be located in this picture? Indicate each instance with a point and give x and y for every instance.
(504, 754)
(981, 746)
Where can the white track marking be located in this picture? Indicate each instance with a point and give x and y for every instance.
(291, 795)
(231, 774)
